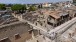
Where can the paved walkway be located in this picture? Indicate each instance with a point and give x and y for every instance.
(67, 24)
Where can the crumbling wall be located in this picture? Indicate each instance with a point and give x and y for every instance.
(10, 31)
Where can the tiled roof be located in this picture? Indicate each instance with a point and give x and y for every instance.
(54, 14)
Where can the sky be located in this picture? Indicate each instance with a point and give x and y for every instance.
(28, 1)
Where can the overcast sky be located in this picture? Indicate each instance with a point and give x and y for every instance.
(29, 1)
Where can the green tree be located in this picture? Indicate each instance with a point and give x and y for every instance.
(2, 7)
(40, 6)
(32, 8)
(19, 8)
(74, 1)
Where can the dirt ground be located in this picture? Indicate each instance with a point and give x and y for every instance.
(23, 38)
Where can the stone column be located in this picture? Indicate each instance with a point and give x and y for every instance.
(56, 22)
(75, 31)
(69, 35)
(33, 37)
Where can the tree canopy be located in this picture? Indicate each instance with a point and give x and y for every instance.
(17, 7)
(2, 7)
(32, 8)
(40, 6)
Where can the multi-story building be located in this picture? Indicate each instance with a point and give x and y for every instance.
(55, 17)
